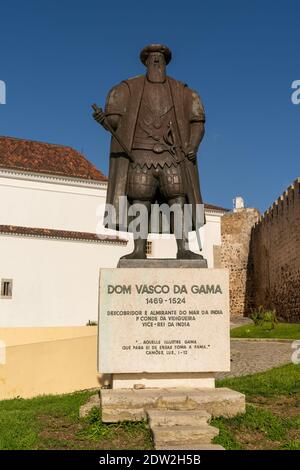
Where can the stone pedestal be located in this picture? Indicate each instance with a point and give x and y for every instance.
(163, 324)
(163, 333)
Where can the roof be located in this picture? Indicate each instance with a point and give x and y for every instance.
(53, 233)
(212, 207)
(41, 157)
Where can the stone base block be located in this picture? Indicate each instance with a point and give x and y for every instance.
(162, 263)
(163, 380)
(131, 404)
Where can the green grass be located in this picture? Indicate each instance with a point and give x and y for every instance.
(272, 418)
(52, 422)
(281, 331)
(97, 430)
(21, 420)
(284, 380)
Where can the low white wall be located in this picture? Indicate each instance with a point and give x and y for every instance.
(37, 201)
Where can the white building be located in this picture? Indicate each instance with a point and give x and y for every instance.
(52, 201)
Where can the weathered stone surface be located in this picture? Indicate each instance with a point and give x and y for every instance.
(138, 386)
(110, 415)
(177, 418)
(191, 447)
(93, 401)
(217, 402)
(182, 435)
(162, 263)
(226, 402)
(130, 398)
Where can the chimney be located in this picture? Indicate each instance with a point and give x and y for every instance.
(238, 204)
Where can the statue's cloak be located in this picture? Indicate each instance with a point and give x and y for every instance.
(125, 100)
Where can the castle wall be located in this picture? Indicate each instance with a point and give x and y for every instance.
(233, 254)
(274, 258)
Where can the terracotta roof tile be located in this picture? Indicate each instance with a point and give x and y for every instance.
(41, 157)
(53, 233)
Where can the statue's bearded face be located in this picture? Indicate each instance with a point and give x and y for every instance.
(156, 67)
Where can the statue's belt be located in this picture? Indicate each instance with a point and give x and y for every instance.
(156, 147)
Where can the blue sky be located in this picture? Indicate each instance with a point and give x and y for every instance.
(58, 57)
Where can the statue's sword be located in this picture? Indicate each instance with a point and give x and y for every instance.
(108, 127)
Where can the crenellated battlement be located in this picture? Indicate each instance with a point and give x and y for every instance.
(288, 201)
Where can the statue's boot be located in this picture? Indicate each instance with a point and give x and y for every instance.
(139, 251)
(182, 238)
(184, 253)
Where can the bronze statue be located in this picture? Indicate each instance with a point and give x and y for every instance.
(157, 124)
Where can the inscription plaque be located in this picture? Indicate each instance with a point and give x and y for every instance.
(163, 320)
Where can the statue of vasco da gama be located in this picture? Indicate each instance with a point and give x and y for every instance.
(160, 123)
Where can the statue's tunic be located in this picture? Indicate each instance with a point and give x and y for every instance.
(152, 140)
(155, 172)
(155, 121)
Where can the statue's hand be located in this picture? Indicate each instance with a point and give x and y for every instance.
(99, 116)
(191, 154)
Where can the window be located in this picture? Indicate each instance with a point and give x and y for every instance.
(6, 288)
(149, 248)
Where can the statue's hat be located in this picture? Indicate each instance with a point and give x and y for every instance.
(155, 48)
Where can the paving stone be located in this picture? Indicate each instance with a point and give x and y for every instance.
(111, 415)
(182, 435)
(191, 447)
(177, 418)
(129, 398)
(226, 402)
(250, 357)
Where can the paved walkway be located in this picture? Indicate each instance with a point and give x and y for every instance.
(240, 321)
(249, 357)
